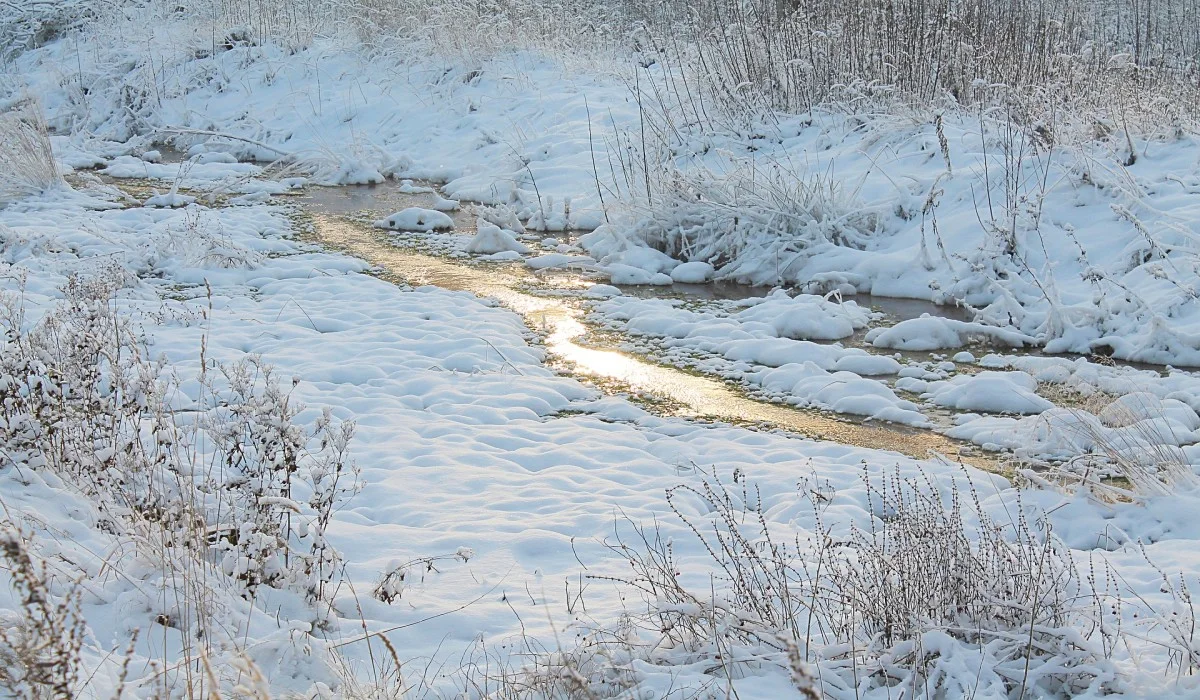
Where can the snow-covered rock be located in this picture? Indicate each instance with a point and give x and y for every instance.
(492, 239)
(994, 392)
(416, 219)
(169, 200)
(692, 273)
(627, 274)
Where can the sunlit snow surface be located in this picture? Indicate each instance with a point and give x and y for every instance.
(467, 438)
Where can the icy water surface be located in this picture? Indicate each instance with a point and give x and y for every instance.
(560, 321)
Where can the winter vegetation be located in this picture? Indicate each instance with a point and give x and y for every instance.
(235, 463)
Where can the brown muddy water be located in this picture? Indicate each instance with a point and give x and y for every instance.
(560, 322)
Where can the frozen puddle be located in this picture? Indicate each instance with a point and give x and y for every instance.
(560, 322)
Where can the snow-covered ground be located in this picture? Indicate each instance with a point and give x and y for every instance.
(508, 494)
(1077, 242)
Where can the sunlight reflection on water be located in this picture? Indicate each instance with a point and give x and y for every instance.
(559, 320)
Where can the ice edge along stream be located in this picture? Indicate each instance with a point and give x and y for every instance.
(704, 397)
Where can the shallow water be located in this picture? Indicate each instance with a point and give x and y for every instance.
(386, 198)
(560, 321)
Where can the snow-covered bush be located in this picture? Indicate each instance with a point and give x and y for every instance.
(758, 226)
(40, 650)
(27, 164)
(79, 397)
(76, 389)
(32, 23)
(224, 494)
(264, 463)
(1126, 448)
(932, 595)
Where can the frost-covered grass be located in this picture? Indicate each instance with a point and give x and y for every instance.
(1071, 223)
(27, 164)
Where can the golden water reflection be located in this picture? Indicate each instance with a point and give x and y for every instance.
(560, 322)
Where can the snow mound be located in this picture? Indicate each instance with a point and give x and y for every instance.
(602, 291)
(407, 187)
(805, 316)
(642, 257)
(492, 239)
(842, 392)
(627, 274)
(551, 260)
(416, 219)
(1139, 406)
(692, 273)
(442, 204)
(934, 333)
(1063, 433)
(994, 392)
(867, 364)
(170, 200)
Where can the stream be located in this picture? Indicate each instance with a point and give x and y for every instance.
(336, 214)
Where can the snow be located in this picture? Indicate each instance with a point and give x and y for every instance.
(558, 260)
(994, 392)
(468, 440)
(762, 341)
(490, 239)
(867, 364)
(416, 219)
(602, 291)
(841, 392)
(169, 200)
(934, 333)
(696, 272)
(464, 133)
(441, 204)
(620, 273)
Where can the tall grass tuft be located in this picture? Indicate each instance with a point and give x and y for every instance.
(27, 165)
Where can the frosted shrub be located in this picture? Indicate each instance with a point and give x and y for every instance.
(79, 397)
(766, 222)
(32, 23)
(266, 534)
(40, 651)
(75, 393)
(904, 602)
(27, 165)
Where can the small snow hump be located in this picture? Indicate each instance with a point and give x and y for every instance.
(416, 219)
(492, 239)
(170, 200)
